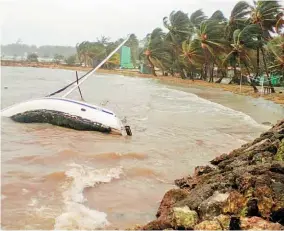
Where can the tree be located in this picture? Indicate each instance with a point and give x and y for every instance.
(133, 43)
(243, 41)
(276, 47)
(156, 50)
(58, 58)
(32, 57)
(179, 29)
(264, 14)
(71, 60)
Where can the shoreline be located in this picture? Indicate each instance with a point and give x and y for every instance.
(217, 195)
(241, 190)
(277, 98)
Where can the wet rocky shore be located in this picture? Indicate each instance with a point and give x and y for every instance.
(240, 190)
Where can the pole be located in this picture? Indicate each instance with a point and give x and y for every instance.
(96, 68)
(241, 83)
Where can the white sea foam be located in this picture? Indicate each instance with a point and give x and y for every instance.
(206, 106)
(76, 215)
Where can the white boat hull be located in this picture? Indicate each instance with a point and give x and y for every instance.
(64, 108)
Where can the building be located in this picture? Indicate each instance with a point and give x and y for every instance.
(125, 58)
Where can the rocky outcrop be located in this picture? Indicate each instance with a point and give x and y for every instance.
(240, 190)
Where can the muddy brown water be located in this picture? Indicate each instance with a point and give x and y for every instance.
(58, 178)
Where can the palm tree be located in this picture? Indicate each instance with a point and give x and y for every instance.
(210, 36)
(196, 18)
(264, 14)
(276, 47)
(133, 43)
(192, 55)
(238, 18)
(180, 29)
(243, 41)
(156, 50)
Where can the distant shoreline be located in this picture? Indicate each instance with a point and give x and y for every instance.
(246, 90)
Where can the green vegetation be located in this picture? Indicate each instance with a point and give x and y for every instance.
(91, 53)
(71, 60)
(250, 43)
(32, 57)
(58, 58)
(196, 45)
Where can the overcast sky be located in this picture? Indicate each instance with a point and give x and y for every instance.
(67, 22)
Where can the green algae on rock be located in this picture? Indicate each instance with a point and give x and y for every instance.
(184, 218)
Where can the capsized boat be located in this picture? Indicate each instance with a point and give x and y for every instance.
(69, 113)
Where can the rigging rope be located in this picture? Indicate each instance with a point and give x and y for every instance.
(84, 77)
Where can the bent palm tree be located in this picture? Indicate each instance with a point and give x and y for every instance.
(276, 47)
(243, 41)
(264, 14)
(156, 50)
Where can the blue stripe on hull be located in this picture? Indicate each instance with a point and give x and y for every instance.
(71, 101)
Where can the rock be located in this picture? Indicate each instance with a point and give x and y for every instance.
(280, 153)
(186, 183)
(244, 190)
(219, 159)
(265, 200)
(208, 225)
(235, 204)
(257, 223)
(196, 196)
(200, 170)
(278, 216)
(217, 223)
(224, 221)
(252, 208)
(184, 218)
(257, 145)
(169, 200)
(157, 225)
(235, 223)
(212, 207)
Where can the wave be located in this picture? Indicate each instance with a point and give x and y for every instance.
(142, 172)
(76, 215)
(205, 106)
(67, 155)
(118, 156)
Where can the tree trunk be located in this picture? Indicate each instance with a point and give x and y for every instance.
(251, 82)
(152, 66)
(211, 80)
(267, 73)
(205, 72)
(235, 77)
(221, 78)
(257, 62)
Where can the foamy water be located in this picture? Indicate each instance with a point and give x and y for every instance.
(58, 178)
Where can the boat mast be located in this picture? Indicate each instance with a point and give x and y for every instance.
(96, 68)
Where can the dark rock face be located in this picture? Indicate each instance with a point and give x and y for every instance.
(243, 190)
(60, 119)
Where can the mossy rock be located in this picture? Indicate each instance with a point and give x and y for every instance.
(185, 218)
(280, 153)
